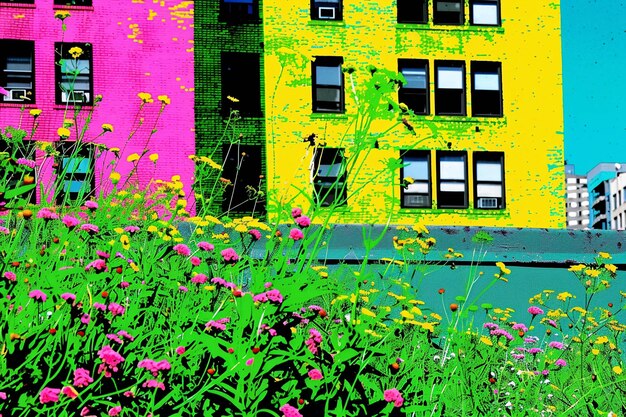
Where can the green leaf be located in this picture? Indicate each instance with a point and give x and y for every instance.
(345, 355)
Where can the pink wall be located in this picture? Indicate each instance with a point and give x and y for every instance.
(137, 47)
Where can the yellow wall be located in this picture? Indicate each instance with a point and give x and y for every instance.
(528, 45)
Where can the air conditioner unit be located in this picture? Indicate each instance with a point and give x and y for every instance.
(488, 203)
(16, 95)
(76, 96)
(326, 13)
(416, 201)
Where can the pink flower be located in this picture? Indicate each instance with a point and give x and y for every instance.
(267, 284)
(250, 361)
(393, 395)
(68, 297)
(38, 295)
(182, 250)
(556, 345)
(4, 230)
(131, 229)
(206, 246)
(303, 221)
(230, 256)
(315, 374)
(115, 338)
(3, 395)
(115, 410)
(289, 411)
(69, 391)
(153, 383)
(110, 360)
(10, 275)
(91, 205)
(180, 350)
(102, 254)
(314, 341)
(100, 306)
(153, 366)
(256, 235)
(84, 411)
(28, 162)
(124, 284)
(85, 318)
(49, 395)
(126, 335)
(92, 229)
(520, 326)
(275, 296)
(182, 288)
(560, 362)
(296, 234)
(195, 261)
(534, 310)
(199, 279)
(99, 265)
(296, 212)
(47, 214)
(218, 324)
(116, 309)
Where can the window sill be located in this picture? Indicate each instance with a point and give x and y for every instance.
(466, 211)
(457, 119)
(330, 116)
(77, 8)
(327, 23)
(449, 28)
(71, 106)
(18, 5)
(28, 105)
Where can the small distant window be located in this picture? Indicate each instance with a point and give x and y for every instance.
(241, 83)
(452, 179)
(486, 89)
(415, 178)
(328, 82)
(489, 180)
(414, 92)
(74, 74)
(326, 10)
(412, 11)
(234, 11)
(18, 1)
(328, 173)
(448, 12)
(72, 2)
(450, 88)
(485, 12)
(17, 71)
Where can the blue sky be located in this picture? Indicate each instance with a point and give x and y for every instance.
(594, 81)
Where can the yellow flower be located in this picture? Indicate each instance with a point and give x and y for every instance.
(580, 310)
(427, 326)
(617, 370)
(125, 242)
(61, 14)
(63, 132)
(134, 267)
(564, 296)
(595, 351)
(133, 157)
(611, 268)
(486, 340)
(97, 98)
(577, 268)
(152, 228)
(107, 128)
(604, 255)
(35, 112)
(367, 312)
(233, 99)
(407, 315)
(164, 99)
(145, 97)
(115, 150)
(408, 180)
(75, 52)
(115, 177)
(601, 340)
(503, 268)
(416, 310)
(594, 273)
(154, 157)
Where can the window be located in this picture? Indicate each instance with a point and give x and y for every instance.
(415, 92)
(452, 179)
(412, 11)
(328, 173)
(243, 168)
(72, 2)
(485, 12)
(241, 80)
(450, 88)
(328, 95)
(486, 89)
(17, 75)
(417, 167)
(326, 10)
(18, 1)
(75, 172)
(489, 180)
(448, 12)
(234, 11)
(74, 78)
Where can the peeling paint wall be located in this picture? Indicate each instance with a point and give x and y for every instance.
(528, 45)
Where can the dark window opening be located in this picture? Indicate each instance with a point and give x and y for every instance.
(235, 11)
(448, 12)
(243, 172)
(412, 11)
(485, 12)
(74, 73)
(75, 172)
(326, 10)
(452, 179)
(415, 179)
(241, 83)
(489, 181)
(450, 88)
(328, 82)
(329, 177)
(486, 89)
(415, 91)
(17, 71)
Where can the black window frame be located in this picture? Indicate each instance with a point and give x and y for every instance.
(414, 97)
(405, 191)
(473, 3)
(443, 96)
(449, 17)
(328, 61)
(84, 3)
(71, 150)
(412, 11)
(320, 10)
(18, 1)
(236, 66)
(329, 189)
(7, 49)
(62, 53)
(486, 157)
(239, 11)
(486, 103)
(441, 202)
(243, 167)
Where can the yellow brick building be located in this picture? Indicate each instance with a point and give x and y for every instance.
(481, 144)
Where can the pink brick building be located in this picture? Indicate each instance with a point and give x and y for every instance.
(128, 47)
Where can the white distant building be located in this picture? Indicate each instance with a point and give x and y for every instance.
(617, 191)
(577, 201)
